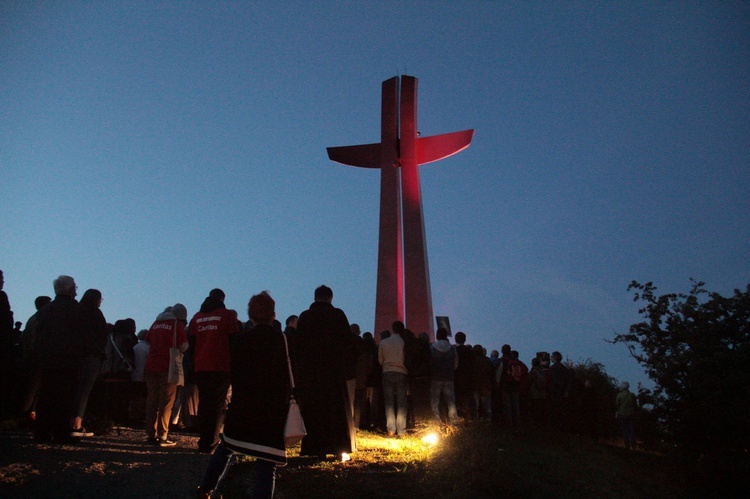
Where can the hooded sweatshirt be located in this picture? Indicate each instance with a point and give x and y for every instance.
(443, 360)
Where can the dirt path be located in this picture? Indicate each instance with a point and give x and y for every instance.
(111, 466)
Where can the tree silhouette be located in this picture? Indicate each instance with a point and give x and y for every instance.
(696, 349)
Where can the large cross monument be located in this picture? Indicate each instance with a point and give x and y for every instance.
(403, 291)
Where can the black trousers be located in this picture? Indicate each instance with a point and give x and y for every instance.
(213, 387)
(55, 405)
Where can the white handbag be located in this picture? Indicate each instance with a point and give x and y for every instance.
(294, 430)
(176, 375)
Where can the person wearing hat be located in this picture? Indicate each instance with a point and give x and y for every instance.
(160, 392)
(627, 407)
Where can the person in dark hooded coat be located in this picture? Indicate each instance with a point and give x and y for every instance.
(322, 335)
(254, 423)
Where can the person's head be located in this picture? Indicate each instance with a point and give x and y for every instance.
(624, 385)
(441, 334)
(218, 294)
(119, 327)
(556, 356)
(506, 350)
(91, 298)
(535, 362)
(514, 354)
(478, 350)
(384, 334)
(261, 308)
(494, 353)
(291, 321)
(398, 327)
(355, 329)
(142, 334)
(129, 325)
(424, 337)
(180, 312)
(460, 337)
(65, 285)
(41, 301)
(18, 324)
(323, 293)
(166, 314)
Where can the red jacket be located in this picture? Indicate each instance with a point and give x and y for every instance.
(160, 339)
(211, 331)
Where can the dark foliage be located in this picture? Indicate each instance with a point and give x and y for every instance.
(696, 348)
(593, 407)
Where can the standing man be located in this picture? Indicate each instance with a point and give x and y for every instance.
(32, 374)
(352, 350)
(627, 407)
(559, 389)
(464, 377)
(323, 333)
(211, 328)
(61, 339)
(443, 364)
(508, 380)
(395, 380)
(6, 351)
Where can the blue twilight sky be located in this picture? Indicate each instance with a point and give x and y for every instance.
(155, 150)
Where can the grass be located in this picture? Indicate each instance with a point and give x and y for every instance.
(480, 461)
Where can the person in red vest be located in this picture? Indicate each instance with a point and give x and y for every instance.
(211, 328)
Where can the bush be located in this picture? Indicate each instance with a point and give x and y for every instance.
(695, 347)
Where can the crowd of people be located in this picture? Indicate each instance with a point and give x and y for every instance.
(69, 366)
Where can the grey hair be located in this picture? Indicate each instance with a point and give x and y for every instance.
(64, 285)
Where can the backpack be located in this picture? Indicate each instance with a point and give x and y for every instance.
(513, 374)
(516, 370)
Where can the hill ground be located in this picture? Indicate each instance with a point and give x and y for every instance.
(468, 461)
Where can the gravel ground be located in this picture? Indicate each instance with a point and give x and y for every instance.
(108, 466)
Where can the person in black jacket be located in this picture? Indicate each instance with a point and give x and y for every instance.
(255, 418)
(61, 339)
(322, 335)
(93, 357)
(6, 352)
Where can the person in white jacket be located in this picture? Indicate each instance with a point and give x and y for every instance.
(395, 380)
(137, 409)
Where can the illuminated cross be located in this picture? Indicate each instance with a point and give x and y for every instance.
(403, 269)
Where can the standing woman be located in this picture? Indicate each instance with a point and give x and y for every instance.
(255, 419)
(165, 332)
(93, 358)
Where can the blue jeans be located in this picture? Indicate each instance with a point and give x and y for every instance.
(394, 390)
(262, 478)
(446, 390)
(483, 405)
